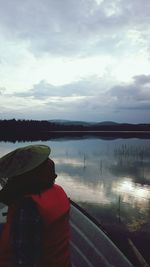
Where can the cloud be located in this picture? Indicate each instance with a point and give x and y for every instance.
(90, 95)
(116, 103)
(91, 98)
(44, 90)
(2, 90)
(40, 90)
(71, 27)
(51, 48)
(135, 95)
(142, 79)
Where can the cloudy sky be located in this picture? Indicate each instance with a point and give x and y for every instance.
(75, 59)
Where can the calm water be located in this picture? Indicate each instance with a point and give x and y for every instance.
(110, 178)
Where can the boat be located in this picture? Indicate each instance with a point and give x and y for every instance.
(90, 245)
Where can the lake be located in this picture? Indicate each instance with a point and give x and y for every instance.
(110, 179)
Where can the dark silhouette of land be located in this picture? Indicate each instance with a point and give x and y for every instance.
(25, 130)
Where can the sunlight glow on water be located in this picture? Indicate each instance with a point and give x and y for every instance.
(127, 187)
(73, 162)
(81, 192)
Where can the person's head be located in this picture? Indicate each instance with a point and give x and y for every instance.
(32, 181)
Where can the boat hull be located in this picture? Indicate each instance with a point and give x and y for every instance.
(90, 246)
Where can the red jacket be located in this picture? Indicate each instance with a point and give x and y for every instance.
(53, 206)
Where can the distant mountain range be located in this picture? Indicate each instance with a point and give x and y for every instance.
(84, 123)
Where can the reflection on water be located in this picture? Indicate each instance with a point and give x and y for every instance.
(128, 189)
(81, 192)
(111, 178)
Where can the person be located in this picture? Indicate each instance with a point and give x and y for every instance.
(36, 233)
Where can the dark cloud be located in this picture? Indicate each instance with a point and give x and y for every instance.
(71, 27)
(120, 99)
(132, 96)
(142, 79)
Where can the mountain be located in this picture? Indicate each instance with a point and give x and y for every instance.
(83, 123)
(107, 123)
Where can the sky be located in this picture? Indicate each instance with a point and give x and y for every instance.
(83, 60)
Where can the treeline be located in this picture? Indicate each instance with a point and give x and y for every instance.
(14, 125)
(24, 130)
(24, 125)
(33, 130)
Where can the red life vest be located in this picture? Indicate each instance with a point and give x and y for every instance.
(53, 206)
